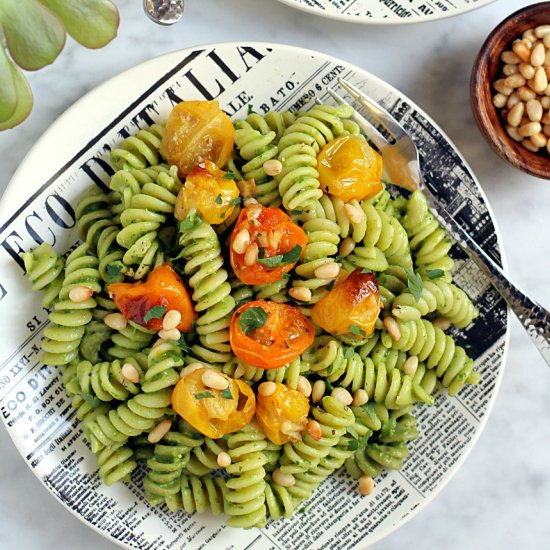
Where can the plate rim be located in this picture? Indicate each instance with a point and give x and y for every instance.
(106, 84)
(362, 20)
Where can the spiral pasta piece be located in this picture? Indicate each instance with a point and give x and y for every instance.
(96, 334)
(131, 418)
(199, 494)
(130, 340)
(279, 502)
(211, 290)
(162, 366)
(446, 298)
(325, 357)
(106, 381)
(116, 464)
(170, 456)
(140, 150)
(430, 344)
(68, 319)
(204, 458)
(44, 269)
(428, 240)
(245, 495)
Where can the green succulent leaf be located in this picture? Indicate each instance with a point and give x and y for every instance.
(8, 92)
(35, 36)
(92, 23)
(24, 99)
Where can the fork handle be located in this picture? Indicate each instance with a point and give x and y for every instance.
(534, 318)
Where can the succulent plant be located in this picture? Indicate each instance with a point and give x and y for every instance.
(32, 35)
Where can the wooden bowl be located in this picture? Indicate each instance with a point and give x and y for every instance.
(485, 70)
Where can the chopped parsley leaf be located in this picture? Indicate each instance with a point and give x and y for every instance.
(415, 284)
(218, 199)
(226, 394)
(289, 257)
(252, 318)
(156, 312)
(204, 395)
(358, 331)
(435, 273)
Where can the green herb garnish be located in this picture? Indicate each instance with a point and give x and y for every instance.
(92, 400)
(435, 273)
(358, 331)
(114, 272)
(349, 353)
(218, 199)
(251, 110)
(415, 284)
(183, 345)
(252, 318)
(289, 257)
(235, 201)
(204, 395)
(156, 312)
(226, 394)
(330, 286)
(190, 222)
(228, 176)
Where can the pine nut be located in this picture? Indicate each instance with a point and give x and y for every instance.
(273, 167)
(548, 146)
(529, 146)
(318, 391)
(265, 389)
(159, 431)
(116, 321)
(534, 110)
(410, 365)
(342, 395)
(513, 99)
(391, 325)
(80, 294)
(249, 201)
(282, 479)
(540, 80)
(522, 49)
(253, 211)
(314, 429)
(546, 130)
(545, 118)
(241, 241)
(172, 334)
(502, 88)
(213, 379)
(247, 188)
(304, 386)
(509, 70)
(542, 30)
(239, 372)
(529, 34)
(442, 322)
(251, 254)
(546, 40)
(354, 213)
(360, 397)
(515, 114)
(366, 485)
(526, 70)
(172, 319)
(130, 373)
(545, 102)
(329, 270)
(514, 81)
(539, 140)
(529, 129)
(348, 244)
(510, 58)
(301, 293)
(192, 367)
(526, 94)
(223, 460)
(513, 133)
(538, 54)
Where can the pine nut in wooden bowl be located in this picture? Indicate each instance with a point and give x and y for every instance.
(509, 133)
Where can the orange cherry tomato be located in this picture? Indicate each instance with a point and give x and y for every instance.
(209, 192)
(275, 235)
(351, 307)
(269, 335)
(283, 414)
(197, 131)
(212, 412)
(350, 168)
(163, 288)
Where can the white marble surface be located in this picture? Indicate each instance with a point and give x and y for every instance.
(500, 498)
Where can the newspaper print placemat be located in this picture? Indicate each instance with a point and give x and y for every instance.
(39, 206)
(386, 11)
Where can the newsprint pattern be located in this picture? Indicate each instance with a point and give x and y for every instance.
(33, 404)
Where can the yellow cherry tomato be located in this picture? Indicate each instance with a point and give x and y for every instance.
(196, 131)
(213, 413)
(351, 307)
(349, 168)
(209, 192)
(283, 414)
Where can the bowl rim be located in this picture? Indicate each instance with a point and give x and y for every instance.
(488, 120)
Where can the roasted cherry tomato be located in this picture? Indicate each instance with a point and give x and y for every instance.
(163, 288)
(350, 168)
(283, 414)
(351, 307)
(277, 239)
(209, 192)
(212, 412)
(197, 131)
(269, 335)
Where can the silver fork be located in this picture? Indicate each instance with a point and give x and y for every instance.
(402, 164)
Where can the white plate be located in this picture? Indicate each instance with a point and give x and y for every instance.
(386, 12)
(39, 204)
